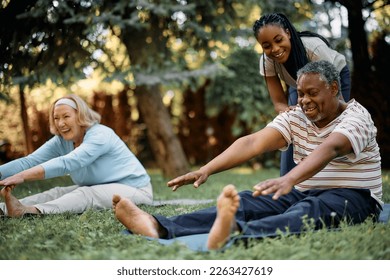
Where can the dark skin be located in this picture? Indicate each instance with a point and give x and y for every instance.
(321, 104)
(276, 44)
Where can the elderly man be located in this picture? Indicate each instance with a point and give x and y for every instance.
(338, 175)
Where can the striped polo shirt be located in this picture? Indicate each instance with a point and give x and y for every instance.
(360, 169)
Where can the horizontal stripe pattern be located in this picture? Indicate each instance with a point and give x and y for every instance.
(361, 169)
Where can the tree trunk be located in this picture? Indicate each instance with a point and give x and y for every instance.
(365, 83)
(123, 122)
(165, 144)
(26, 128)
(359, 47)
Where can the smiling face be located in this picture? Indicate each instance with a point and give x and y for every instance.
(275, 42)
(65, 120)
(318, 100)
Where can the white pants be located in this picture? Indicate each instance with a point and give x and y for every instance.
(77, 199)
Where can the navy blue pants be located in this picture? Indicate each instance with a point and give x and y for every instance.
(291, 212)
(286, 157)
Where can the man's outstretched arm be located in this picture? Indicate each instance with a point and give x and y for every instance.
(242, 150)
(335, 145)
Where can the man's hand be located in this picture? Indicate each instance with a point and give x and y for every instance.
(278, 186)
(195, 177)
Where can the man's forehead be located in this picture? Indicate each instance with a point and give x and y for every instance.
(309, 74)
(308, 77)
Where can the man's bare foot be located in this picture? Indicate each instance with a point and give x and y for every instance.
(14, 207)
(227, 205)
(134, 219)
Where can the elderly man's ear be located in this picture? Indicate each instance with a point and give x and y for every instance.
(335, 88)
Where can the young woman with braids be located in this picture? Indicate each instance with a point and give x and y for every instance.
(285, 51)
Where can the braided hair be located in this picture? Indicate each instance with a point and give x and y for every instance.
(298, 57)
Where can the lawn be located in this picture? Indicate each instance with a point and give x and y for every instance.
(97, 235)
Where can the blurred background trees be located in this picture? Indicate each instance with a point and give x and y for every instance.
(177, 80)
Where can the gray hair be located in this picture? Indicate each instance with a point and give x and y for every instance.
(86, 117)
(327, 71)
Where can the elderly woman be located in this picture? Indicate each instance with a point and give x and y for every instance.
(97, 160)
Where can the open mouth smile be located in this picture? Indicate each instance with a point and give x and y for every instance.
(65, 132)
(309, 111)
(279, 55)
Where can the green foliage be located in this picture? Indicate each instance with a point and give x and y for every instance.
(170, 43)
(39, 45)
(242, 90)
(45, 40)
(96, 235)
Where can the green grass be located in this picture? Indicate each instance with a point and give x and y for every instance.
(96, 235)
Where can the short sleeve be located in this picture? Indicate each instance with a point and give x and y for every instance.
(267, 67)
(359, 128)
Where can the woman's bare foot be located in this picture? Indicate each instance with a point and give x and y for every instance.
(134, 219)
(16, 209)
(227, 205)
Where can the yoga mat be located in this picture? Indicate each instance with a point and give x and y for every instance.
(197, 242)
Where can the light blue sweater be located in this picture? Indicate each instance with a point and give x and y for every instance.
(102, 158)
